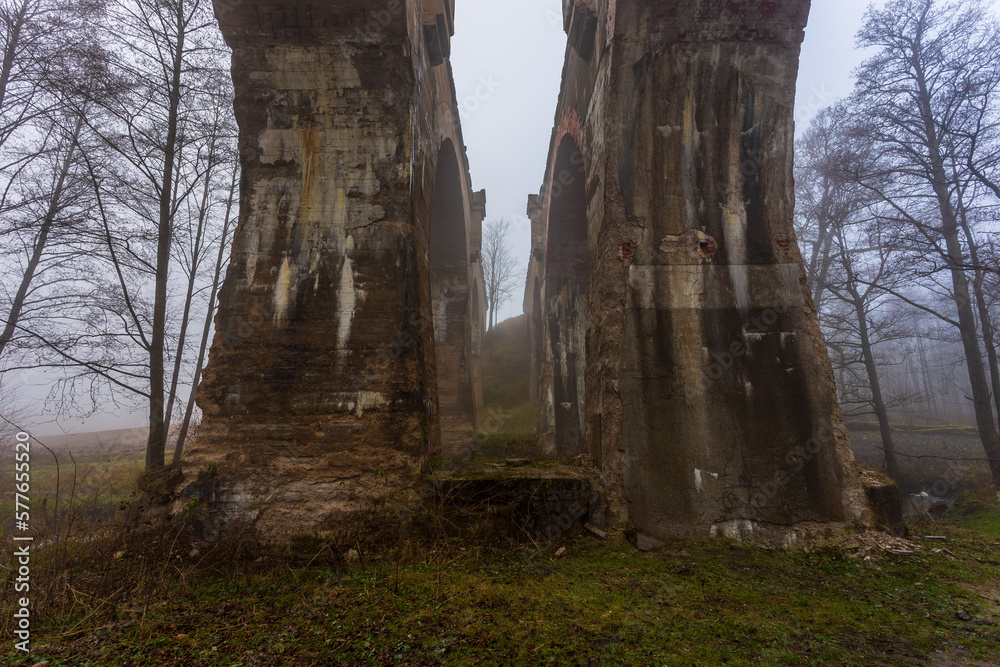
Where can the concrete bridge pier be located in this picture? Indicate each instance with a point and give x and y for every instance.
(347, 348)
(706, 395)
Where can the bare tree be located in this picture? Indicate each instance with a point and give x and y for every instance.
(166, 49)
(914, 105)
(54, 202)
(44, 219)
(214, 160)
(851, 260)
(501, 274)
(117, 184)
(817, 179)
(220, 263)
(12, 413)
(26, 28)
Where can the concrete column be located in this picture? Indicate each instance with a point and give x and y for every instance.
(712, 393)
(343, 311)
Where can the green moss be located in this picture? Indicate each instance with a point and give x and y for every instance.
(508, 423)
(979, 518)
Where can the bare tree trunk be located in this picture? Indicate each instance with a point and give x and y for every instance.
(12, 46)
(925, 374)
(967, 321)
(822, 258)
(157, 442)
(878, 404)
(974, 363)
(985, 320)
(960, 285)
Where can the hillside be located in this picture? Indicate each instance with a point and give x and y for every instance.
(508, 424)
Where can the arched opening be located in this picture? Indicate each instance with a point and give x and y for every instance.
(567, 268)
(449, 286)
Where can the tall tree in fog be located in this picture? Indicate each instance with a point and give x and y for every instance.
(49, 53)
(850, 257)
(819, 200)
(168, 64)
(915, 104)
(501, 274)
(117, 190)
(214, 162)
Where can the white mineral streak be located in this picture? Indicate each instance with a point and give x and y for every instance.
(699, 479)
(360, 401)
(735, 224)
(734, 529)
(281, 294)
(370, 400)
(347, 297)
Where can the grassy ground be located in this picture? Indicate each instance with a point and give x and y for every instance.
(505, 359)
(90, 481)
(143, 600)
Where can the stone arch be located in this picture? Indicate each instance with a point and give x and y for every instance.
(567, 268)
(569, 123)
(449, 288)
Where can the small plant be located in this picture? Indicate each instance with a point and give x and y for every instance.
(188, 511)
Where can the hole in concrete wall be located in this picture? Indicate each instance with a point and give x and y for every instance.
(567, 268)
(708, 247)
(449, 277)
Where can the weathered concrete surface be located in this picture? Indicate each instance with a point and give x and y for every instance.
(347, 346)
(709, 400)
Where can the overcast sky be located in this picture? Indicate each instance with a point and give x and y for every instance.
(507, 59)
